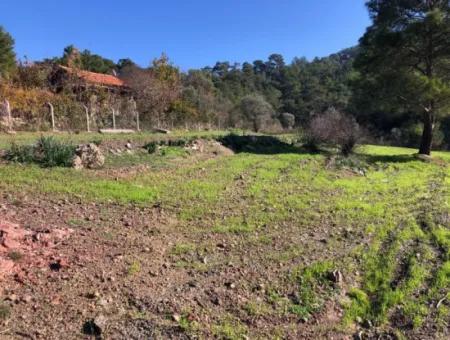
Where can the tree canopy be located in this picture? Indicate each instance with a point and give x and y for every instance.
(7, 55)
(404, 60)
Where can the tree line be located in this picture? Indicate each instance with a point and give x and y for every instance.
(395, 82)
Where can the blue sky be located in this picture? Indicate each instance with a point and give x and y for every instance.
(193, 33)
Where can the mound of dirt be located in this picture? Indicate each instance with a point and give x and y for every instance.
(21, 249)
(209, 147)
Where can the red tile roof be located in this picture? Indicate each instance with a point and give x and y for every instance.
(96, 78)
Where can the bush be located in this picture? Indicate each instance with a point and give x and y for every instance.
(48, 152)
(287, 120)
(334, 127)
(151, 147)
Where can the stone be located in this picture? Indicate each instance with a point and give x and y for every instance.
(88, 156)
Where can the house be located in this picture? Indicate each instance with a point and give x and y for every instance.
(64, 76)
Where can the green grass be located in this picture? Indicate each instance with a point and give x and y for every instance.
(314, 286)
(396, 257)
(230, 328)
(85, 137)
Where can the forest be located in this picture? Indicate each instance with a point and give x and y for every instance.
(395, 83)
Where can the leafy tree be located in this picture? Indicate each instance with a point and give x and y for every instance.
(85, 60)
(156, 88)
(405, 58)
(7, 55)
(256, 111)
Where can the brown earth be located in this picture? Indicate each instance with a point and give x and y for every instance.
(108, 270)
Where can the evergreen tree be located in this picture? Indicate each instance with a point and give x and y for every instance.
(7, 55)
(405, 56)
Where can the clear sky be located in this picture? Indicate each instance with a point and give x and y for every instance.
(194, 33)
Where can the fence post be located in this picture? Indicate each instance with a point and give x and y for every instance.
(8, 111)
(138, 128)
(52, 113)
(114, 118)
(88, 124)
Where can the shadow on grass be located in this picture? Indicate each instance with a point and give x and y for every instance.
(372, 159)
(271, 145)
(265, 145)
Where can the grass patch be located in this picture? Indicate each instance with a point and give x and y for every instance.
(315, 285)
(5, 311)
(47, 152)
(230, 328)
(182, 248)
(134, 268)
(15, 255)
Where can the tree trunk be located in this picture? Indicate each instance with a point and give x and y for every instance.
(427, 135)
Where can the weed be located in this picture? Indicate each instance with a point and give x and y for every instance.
(134, 268)
(5, 311)
(315, 285)
(151, 147)
(229, 328)
(15, 256)
(182, 248)
(48, 152)
(257, 308)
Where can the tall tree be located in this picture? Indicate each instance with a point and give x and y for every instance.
(7, 55)
(405, 54)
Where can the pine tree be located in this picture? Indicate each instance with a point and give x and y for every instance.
(7, 55)
(406, 53)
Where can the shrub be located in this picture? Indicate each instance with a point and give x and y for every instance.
(287, 120)
(151, 147)
(334, 127)
(48, 152)
(20, 153)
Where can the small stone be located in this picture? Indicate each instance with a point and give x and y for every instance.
(12, 298)
(27, 299)
(230, 285)
(100, 321)
(176, 317)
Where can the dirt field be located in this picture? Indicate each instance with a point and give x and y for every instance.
(272, 243)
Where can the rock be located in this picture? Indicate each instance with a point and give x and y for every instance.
(230, 285)
(128, 146)
(176, 317)
(101, 321)
(27, 299)
(88, 156)
(12, 298)
(159, 130)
